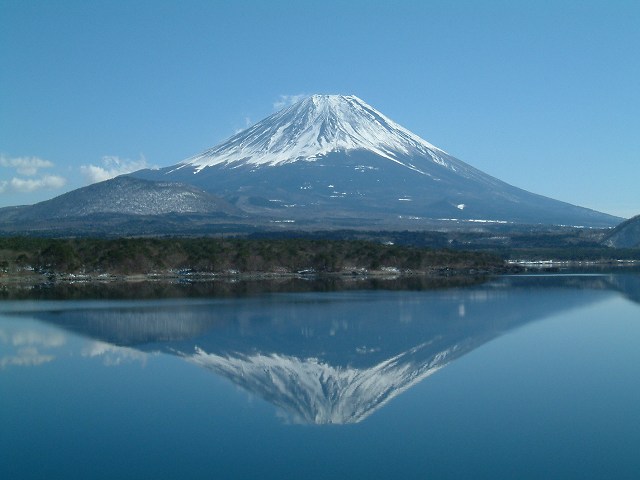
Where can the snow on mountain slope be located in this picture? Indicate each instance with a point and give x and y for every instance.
(314, 127)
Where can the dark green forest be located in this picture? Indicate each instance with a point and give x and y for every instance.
(214, 255)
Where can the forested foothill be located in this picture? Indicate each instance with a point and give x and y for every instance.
(560, 244)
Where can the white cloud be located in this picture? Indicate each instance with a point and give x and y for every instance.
(112, 166)
(28, 166)
(26, 185)
(286, 100)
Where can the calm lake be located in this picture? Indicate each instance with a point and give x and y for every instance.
(527, 377)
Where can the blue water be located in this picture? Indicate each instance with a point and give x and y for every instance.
(522, 377)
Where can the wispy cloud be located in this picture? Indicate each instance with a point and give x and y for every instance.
(112, 166)
(27, 166)
(27, 185)
(286, 100)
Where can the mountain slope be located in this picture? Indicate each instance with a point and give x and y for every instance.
(332, 159)
(116, 200)
(625, 235)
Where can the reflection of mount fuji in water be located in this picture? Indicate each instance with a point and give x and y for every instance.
(334, 357)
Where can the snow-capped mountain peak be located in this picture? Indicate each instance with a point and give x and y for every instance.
(314, 127)
(335, 160)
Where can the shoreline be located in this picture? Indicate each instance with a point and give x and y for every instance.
(173, 285)
(34, 278)
(31, 278)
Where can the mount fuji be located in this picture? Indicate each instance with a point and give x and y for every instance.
(326, 162)
(335, 160)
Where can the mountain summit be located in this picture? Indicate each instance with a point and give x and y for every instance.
(334, 160)
(314, 127)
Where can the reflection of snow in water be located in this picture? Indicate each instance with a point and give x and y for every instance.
(313, 391)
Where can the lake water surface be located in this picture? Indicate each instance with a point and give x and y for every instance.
(528, 377)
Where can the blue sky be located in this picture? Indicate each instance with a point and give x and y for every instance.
(544, 95)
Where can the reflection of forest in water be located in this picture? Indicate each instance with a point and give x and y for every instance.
(336, 356)
(227, 287)
(627, 283)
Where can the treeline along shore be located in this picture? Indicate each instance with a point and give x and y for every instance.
(104, 258)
